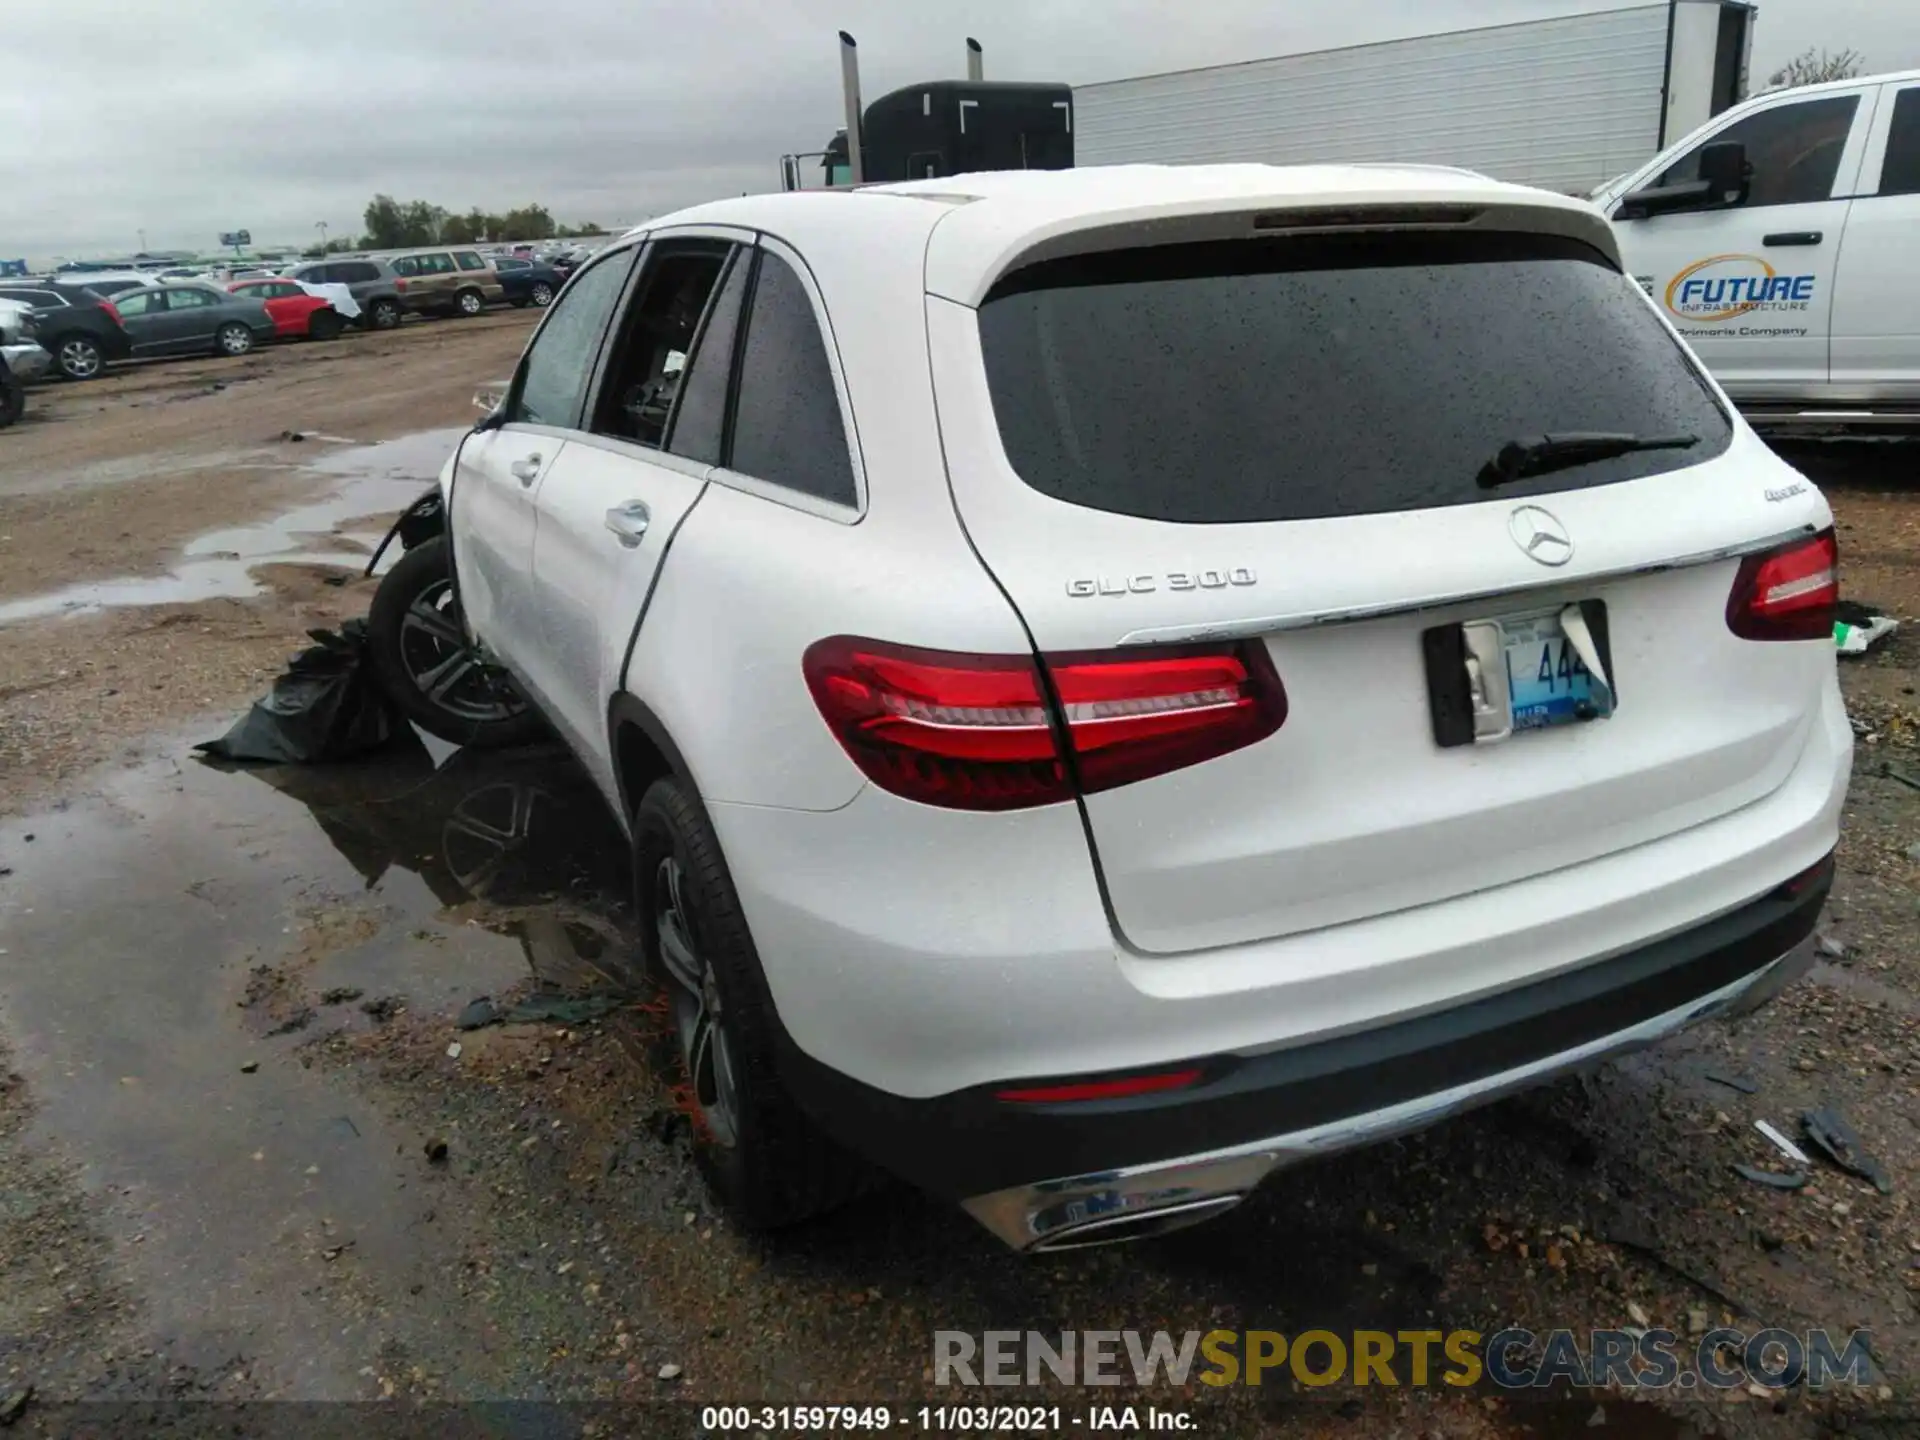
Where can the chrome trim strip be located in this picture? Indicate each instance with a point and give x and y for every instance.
(1045, 1215)
(1313, 619)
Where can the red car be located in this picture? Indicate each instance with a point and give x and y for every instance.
(295, 313)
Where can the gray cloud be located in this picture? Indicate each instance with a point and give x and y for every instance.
(273, 117)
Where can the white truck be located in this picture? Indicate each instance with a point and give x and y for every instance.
(1780, 239)
(1563, 104)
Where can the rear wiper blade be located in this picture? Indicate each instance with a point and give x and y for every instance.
(1541, 454)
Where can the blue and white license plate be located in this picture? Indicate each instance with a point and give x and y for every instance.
(1547, 681)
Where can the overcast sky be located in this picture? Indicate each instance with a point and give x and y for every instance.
(189, 117)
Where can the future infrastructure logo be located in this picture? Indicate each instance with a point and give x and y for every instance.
(1724, 286)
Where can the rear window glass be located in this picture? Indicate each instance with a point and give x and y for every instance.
(1306, 378)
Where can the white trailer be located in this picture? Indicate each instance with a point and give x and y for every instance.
(1565, 104)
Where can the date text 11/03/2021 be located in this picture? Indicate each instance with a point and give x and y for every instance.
(945, 1419)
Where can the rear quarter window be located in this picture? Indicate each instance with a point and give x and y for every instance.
(1306, 378)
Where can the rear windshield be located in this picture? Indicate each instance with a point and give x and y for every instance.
(1302, 378)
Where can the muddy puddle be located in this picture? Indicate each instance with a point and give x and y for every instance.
(167, 947)
(355, 481)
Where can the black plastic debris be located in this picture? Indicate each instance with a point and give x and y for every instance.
(1775, 1179)
(1734, 1082)
(327, 706)
(1858, 628)
(1834, 1138)
(540, 1009)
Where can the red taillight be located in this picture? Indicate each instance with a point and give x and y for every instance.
(980, 732)
(399, 283)
(113, 313)
(1082, 1090)
(1789, 593)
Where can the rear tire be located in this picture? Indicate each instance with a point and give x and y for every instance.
(767, 1162)
(232, 339)
(422, 658)
(78, 358)
(325, 325)
(384, 314)
(542, 294)
(469, 303)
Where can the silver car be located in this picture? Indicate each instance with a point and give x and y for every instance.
(191, 319)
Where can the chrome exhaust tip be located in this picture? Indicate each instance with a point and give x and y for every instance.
(1143, 1225)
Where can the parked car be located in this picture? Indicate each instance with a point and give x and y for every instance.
(21, 359)
(193, 319)
(1099, 718)
(380, 292)
(81, 330)
(452, 282)
(296, 314)
(528, 282)
(1776, 239)
(112, 283)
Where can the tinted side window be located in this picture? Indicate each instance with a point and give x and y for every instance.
(1794, 151)
(560, 363)
(407, 265)
(467, 260)
(1900, 171)
(45, 299)
(147, 302)
(787, 426)
(1306, 378)
(699, 421)
(190, 299)
(437, 264)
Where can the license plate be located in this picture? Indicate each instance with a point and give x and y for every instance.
(1523, 672)
(1547, 681)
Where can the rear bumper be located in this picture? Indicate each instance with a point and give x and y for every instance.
(1055, 1176)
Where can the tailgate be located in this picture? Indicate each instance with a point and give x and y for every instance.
(1283, 451)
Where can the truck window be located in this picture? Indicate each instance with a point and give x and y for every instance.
(1900, 171)
(1235, 381)
(1794, 151)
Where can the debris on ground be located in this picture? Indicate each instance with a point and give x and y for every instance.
(1857, 628)
(384, 1008)
(299, 1020)
(1734, 1082)
(334, 1252)
(1831, 948)
(250, 1067)
(326, 706)
(1776, 1179)
(1898, 772)
(1834, 1138)
(436, 1149)
(1786, 1147)
(341, 995)
(670, 1371)
(550, 1009)
(13, 1402)
(453, 1051)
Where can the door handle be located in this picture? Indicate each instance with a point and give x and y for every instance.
(629, 522)
(526, 471)
(1793, 237)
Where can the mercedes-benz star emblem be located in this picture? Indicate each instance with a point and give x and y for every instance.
(1541, 535)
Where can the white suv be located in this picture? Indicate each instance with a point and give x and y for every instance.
(1121, 679)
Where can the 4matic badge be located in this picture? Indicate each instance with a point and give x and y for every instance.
(1147, 584)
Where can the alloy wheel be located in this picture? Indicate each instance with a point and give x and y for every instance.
(80, 359)
(697, 1011)
(446, 669)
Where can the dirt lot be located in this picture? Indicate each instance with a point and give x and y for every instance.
(105, 483)
(246, 1153)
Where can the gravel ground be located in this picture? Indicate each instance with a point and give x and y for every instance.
(241, 1158)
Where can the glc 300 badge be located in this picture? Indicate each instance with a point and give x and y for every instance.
(1172, 580)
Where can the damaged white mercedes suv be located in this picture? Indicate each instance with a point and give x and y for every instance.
(1122, 679)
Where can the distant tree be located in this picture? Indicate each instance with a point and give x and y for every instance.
(460, 230)
(386, 224)
(530, 222)
(576, 232)
(1812, 67)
